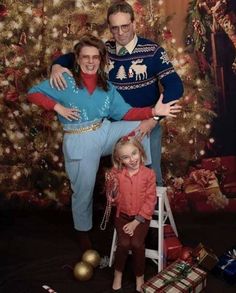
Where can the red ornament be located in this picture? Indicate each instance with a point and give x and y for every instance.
(167, 35)
(138, 7)
(81, 19)
(3, 11)
(208, 105)
(187, 254)
(11, 96)
(57, 53)
(37, 12)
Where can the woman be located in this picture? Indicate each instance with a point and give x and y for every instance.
(83, 108)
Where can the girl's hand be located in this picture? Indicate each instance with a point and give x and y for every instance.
(168, 109)
(130, 227)
(68, 113)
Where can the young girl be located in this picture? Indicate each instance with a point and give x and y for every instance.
(135, 201)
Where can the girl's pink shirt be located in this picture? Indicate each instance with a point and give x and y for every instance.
(137, 193)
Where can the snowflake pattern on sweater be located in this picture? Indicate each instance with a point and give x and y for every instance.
(136, 75)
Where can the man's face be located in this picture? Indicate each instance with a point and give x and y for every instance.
(122, 28)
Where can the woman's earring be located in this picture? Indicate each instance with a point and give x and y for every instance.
(77, 68)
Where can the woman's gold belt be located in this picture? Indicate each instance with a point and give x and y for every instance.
(91, 127)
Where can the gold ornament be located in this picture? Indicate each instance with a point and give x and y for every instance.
(92, 257)
(83, 271)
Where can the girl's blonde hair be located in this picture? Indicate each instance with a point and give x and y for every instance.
(132, 140)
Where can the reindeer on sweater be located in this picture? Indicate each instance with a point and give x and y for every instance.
(140, 70)
(109, 66)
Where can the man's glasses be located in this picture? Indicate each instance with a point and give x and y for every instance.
(124, 27)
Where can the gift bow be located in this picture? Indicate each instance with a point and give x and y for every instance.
(202, 177)
(183, 270)
(232, 254)
(232, 258)
(128, 136)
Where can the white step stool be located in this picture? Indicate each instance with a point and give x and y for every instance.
(163, 212)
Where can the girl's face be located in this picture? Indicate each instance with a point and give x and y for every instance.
(129, 156)
(89, 59)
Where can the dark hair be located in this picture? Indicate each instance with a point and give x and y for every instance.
(120, 6)
(91, 41)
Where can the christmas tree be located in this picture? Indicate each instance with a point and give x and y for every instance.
(33, 33)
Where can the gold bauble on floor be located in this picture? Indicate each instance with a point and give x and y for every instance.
(83, 271)
(92, 257)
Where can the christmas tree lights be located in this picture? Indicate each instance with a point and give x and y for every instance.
(33, 33)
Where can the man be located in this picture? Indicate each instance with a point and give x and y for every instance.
(136, 65)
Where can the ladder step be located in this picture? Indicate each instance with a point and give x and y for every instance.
(156, 213)
(151, 253)
(154, 224)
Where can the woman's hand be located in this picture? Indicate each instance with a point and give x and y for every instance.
(68, 113)
(130, 227)
(56, 78)
(168, 109)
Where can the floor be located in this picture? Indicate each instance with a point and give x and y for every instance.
(37, 247)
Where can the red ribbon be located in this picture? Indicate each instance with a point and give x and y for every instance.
(202, 177)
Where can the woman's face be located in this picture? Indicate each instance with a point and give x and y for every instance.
(89, 59)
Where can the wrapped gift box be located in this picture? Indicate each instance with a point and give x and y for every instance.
(229, 188)
(226, 267)
(172, 245)
(204, 192)
(226, 163)
(168, 231)
(200, 184)
(205, 207)
(225, 169)
(212, 164)
(176, 278)
(202, 207)
(205, 257)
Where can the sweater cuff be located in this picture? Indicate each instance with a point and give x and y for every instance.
(40, 99)
(140, 219)
(138, 114)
